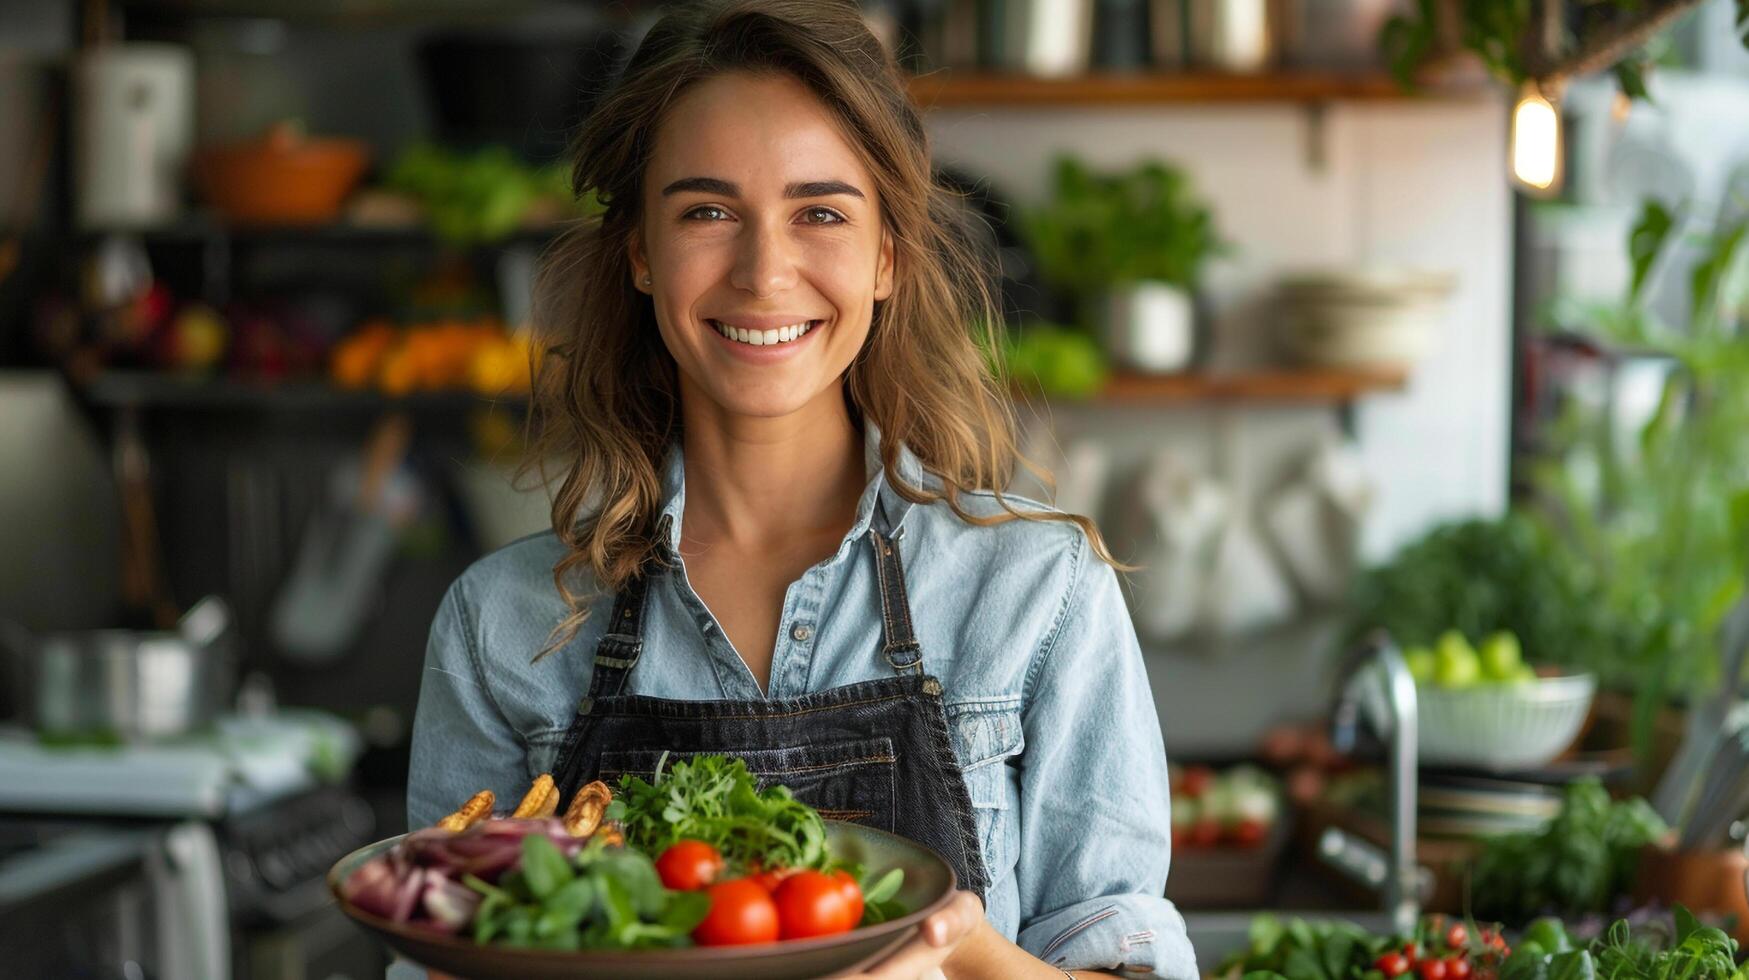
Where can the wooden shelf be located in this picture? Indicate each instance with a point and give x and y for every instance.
(1280, 385)
(201, 228)
(156, 389)
(948, 89)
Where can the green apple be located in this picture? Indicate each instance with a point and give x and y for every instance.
(1420, 661)
(1501, 656)
(1525, 674)
(1455, 661)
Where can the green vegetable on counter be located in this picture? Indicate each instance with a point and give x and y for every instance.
(716, 800)
(605, 899)
(1575, 865)
(1698, 952)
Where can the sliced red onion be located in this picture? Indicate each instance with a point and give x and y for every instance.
(373, 887)
(449, 905)
(407, 896)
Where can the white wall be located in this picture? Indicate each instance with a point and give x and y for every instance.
(1419, 183)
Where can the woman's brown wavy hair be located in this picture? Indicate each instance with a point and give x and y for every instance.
(606, 397)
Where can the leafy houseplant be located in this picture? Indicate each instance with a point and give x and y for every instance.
(1115, 242)
(1666, 523)
(1484, 576)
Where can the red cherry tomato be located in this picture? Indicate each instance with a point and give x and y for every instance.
(811, 904)
(1457, 968)
(689, 865)
(1434, 970)
(1457, 937)
(1392, 964)
(1197, 780)
(741, 913)
(852, 894)
(1247, 833)
(1412, 952)
(770, 878)
(1205, 833)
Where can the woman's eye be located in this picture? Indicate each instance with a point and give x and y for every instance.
(822, 216)
(701, 211)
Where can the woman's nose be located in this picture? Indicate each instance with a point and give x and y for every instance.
(766, 262)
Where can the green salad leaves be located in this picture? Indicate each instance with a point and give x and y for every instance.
(602, 899)
(715, 799)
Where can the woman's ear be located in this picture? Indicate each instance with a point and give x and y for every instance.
(884, 270)
(640, 265)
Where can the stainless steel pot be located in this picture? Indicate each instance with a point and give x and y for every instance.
(132, 685)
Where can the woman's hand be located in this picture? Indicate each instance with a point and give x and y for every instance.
(939, 937)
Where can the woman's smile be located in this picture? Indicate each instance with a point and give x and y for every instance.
(762, 340)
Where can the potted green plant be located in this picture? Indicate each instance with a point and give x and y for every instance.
(1129, 247)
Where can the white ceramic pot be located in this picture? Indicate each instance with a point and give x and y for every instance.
(1150, 326)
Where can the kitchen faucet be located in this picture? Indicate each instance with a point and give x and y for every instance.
(1375, 680)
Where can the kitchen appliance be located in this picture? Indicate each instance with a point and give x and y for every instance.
(134, 119)
(125, 685)
(199, 859)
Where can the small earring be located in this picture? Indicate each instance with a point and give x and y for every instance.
(646, 278)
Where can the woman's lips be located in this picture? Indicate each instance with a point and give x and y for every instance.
(765, 353)
(755, 336)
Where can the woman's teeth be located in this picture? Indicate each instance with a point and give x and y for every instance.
(764, 338)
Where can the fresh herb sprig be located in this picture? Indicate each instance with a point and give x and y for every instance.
(715, 799)
(1698, 952)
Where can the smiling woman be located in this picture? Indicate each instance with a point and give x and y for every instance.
(777, 312)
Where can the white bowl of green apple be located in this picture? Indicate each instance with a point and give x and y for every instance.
(1483, 707)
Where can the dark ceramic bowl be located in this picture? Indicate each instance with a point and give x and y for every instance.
(929, 885)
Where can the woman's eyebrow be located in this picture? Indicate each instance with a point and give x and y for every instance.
(715, 185)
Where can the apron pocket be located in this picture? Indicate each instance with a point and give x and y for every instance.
(849, 780)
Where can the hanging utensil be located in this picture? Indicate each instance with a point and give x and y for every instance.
(345, 548)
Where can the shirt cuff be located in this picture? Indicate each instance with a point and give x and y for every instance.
(1137, 935)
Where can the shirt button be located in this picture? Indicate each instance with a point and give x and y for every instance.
(801, 632)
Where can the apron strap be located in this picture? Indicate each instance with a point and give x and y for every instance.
(618, 651)
(900, 645)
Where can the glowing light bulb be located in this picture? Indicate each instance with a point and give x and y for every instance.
(1536, 141)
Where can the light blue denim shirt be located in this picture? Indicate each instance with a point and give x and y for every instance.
(1047, 701)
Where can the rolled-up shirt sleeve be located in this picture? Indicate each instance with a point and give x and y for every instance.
(462, 742)
(1095, 797)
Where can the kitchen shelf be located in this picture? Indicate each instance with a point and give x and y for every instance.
(1283, 385)
(949, 89)
(200, 229)
(155, 389)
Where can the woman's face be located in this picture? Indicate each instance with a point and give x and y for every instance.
(763, 241)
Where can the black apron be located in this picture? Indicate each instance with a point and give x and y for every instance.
(874, 753)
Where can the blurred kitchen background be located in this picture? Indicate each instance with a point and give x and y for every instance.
(1328, 321)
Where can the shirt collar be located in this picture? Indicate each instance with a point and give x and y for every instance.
(879, 487)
